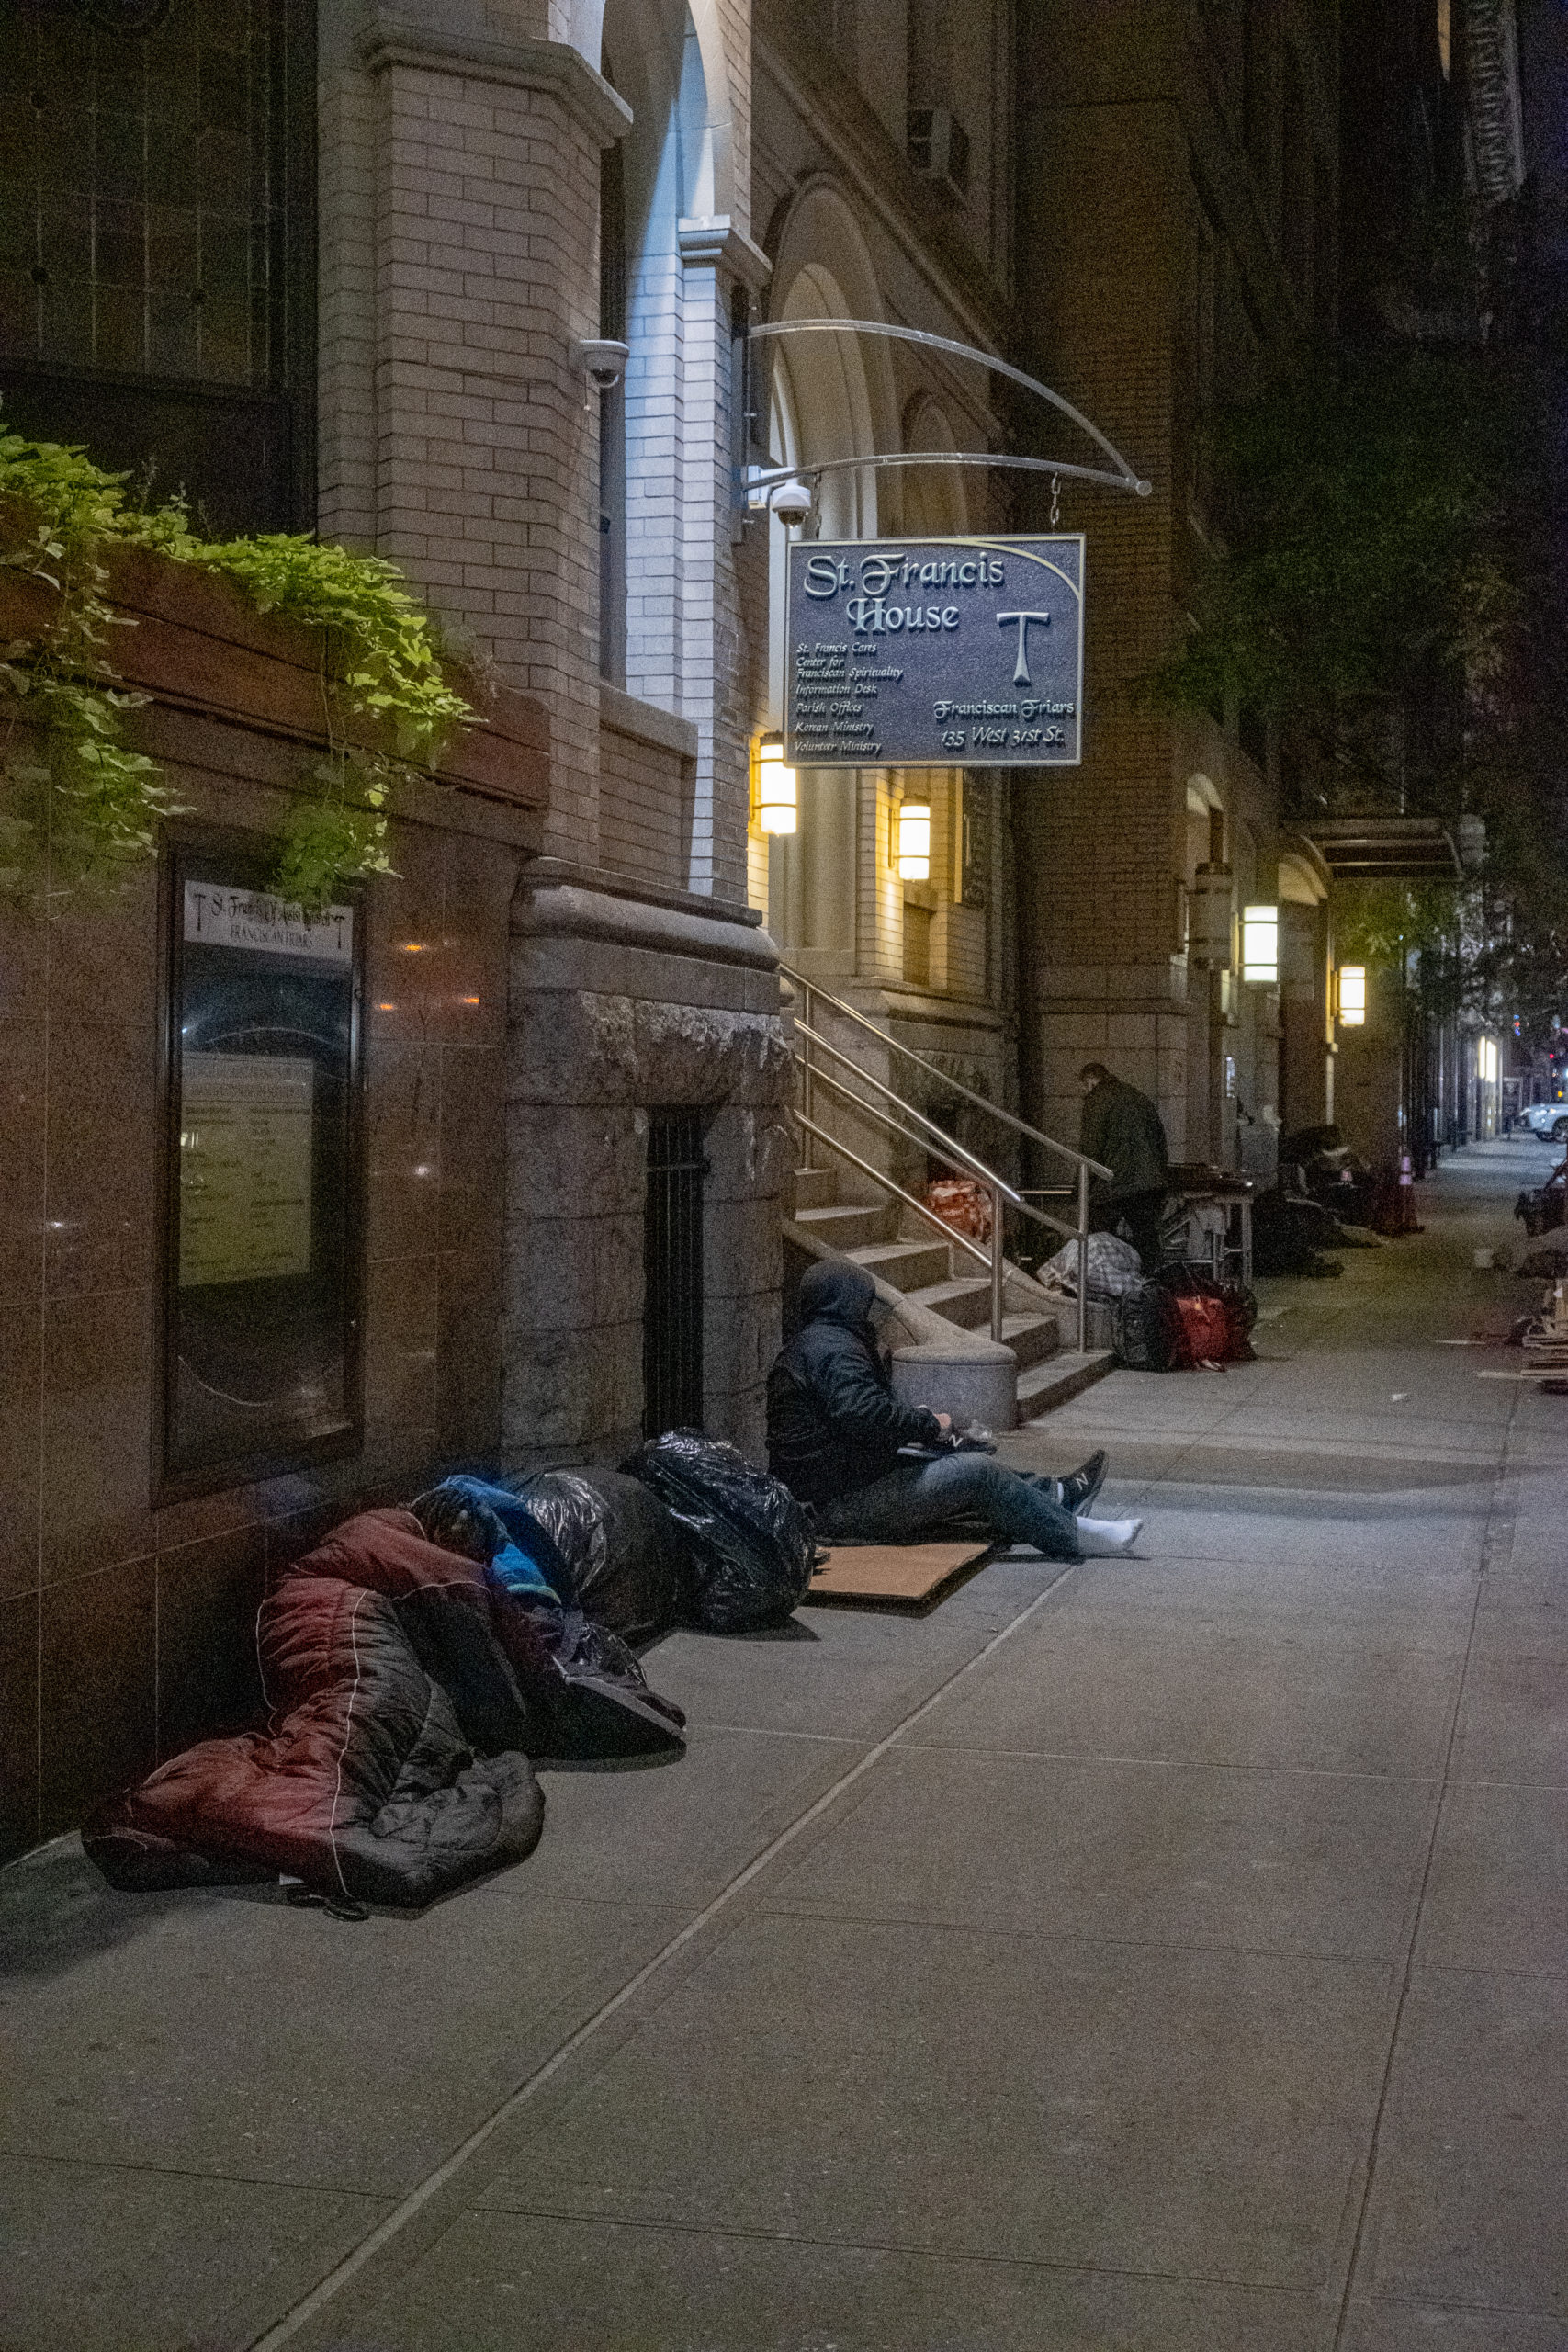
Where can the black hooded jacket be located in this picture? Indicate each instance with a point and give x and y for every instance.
(833, 1421)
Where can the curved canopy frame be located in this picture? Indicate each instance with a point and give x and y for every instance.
(1124, 478)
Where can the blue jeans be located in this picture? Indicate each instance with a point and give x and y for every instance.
(921, 1497)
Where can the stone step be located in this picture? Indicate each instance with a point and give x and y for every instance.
(845, 1228)
(1031, 1338)
(1059, 1378)
(964, 1300)
(815, 1188)
(904, 1264)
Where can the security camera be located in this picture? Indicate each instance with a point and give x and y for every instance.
(791, 501)
(603, 361)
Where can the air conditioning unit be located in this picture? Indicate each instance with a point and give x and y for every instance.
(939, 149)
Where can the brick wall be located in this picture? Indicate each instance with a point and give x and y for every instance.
(646, 792)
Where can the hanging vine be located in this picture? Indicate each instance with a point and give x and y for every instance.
(81, 805)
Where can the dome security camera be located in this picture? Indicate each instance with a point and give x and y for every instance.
(791, 501)
(603, 361)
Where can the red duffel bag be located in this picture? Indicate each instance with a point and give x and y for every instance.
(1214, 1318)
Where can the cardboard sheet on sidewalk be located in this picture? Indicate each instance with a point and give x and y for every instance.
(907, 1572)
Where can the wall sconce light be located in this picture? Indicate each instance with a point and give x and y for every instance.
(1352, 996)
(1486, 1061)
(1260, 946)
(777, 801)
(915, 840)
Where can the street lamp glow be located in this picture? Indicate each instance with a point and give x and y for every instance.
(1352, 996)
(1260, 946)
(915, 840)
(777, 802)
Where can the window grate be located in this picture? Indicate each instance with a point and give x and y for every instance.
(672, 1272)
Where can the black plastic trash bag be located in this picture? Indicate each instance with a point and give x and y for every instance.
(749, 1541)
(623, 1551)
(1148, 1328)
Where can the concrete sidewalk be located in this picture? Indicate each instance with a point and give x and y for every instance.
(1155, 1956)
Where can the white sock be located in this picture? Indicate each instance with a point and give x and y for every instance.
(1104, 1539)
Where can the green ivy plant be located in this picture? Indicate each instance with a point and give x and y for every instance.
(82, 805)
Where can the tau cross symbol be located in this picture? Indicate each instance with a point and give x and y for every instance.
(1021, 676)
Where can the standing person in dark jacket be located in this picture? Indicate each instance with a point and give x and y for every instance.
(835, 1429)
(1122, 1130)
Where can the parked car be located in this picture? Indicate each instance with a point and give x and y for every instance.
(1547, 1120)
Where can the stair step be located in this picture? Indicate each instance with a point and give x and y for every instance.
(1033, 1339)
(904, 1264)
(1059, 1378)
(815, 1188)
(844, 1227)
(964, 1300)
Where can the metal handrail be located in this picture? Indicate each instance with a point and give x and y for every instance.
(945, 1147)
(1009, 1118)
(938, 1142)
(965, 1157)
(948, 1232)
(885, 1119)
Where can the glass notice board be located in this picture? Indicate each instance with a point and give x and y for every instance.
(261, 1282)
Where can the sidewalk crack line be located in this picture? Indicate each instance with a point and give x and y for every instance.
(298, 2316)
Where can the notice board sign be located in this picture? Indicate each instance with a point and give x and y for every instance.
(935, 652)
(260, 1287)
(247, 1128)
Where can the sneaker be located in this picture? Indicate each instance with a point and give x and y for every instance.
(1076, 1492)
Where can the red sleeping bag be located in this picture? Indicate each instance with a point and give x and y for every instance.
(395, 1761)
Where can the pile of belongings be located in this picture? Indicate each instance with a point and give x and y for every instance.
(1546, 1339)
(1317, 1162)
(1290, 1231)
(962, 1202)
(418, 1663)
(1544, 1208)
(1113, 1268)
(1545, 1264)
(1181, 1319)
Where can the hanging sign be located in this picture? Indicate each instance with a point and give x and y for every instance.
(935, 653)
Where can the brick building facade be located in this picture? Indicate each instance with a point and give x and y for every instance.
(564, 961)
(1136, 201)
(1178, 196)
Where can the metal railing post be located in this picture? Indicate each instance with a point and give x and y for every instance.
(999, 1265)
(1083, 1260)
(807, 1094)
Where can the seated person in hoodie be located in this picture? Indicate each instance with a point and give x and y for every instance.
(835, 1429)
